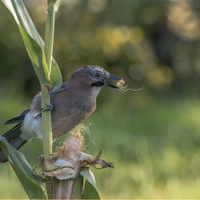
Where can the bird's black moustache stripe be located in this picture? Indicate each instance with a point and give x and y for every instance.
(98, 83)
(101, 83)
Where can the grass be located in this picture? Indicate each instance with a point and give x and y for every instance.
(155, 143)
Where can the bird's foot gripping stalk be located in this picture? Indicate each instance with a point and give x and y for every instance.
(49, 107)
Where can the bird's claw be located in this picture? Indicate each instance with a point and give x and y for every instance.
(49, 107)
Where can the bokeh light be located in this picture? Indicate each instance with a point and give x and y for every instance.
(153, 134)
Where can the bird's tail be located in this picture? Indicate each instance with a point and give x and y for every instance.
(13, 137)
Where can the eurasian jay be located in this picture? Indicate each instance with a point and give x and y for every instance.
(72, 103)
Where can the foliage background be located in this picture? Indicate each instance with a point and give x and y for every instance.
(153, 135)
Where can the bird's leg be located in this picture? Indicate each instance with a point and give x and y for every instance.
(49, 107)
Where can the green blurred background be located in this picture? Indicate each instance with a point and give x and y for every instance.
(152, 135)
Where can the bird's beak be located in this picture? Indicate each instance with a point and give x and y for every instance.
(112, 77)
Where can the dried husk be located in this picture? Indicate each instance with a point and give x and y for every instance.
(63, 168)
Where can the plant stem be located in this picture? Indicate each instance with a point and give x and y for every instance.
(46, 124)
(46, 116)
(48, 49)
(47, 130)
(49, 36)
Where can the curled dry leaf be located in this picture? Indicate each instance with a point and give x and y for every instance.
(63, 164)
(68, 161)
(93, 161)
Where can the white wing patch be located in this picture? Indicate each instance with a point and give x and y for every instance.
(32, 126)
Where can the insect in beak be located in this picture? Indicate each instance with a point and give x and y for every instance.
(112, 77)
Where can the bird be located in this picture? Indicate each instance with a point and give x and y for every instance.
(71, 104)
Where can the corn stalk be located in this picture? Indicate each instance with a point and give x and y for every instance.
(66, 172)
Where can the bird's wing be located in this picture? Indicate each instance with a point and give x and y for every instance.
(62, 88)
(56, 90)
(18, 119)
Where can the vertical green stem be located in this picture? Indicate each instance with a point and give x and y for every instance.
(46, 124)
(48, 49)
(47, 130)
(49, 35)
(46, 116)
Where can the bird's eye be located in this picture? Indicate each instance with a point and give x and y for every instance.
(96, 74)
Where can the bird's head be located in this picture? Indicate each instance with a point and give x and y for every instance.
(93, 76)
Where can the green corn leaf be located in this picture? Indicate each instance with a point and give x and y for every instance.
(56, 4)
(90, 189)
(23, 170)
(78, 188)
(37, 56)
(55, 75)
(19, 12)
(22, 18)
